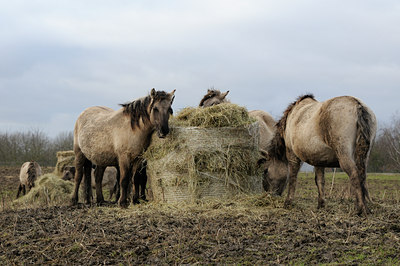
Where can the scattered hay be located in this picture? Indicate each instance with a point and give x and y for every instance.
(217, 158)
(64, 158)
(221, 115)
(49, 190)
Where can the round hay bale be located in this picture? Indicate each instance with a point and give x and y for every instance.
(64, 158)
(204, 161)
(49, 190)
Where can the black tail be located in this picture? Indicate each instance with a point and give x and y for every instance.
(364, 143)
(31, 173)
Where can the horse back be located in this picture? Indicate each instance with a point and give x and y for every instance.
(266, 127)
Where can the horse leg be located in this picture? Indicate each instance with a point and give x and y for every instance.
(143, 186)
(79, 162)
(24, 189)
(19, 190)
(294, 167)
(87, 168)
(126, 173)
(349, 166)
(116, 188)
(320, 182)
(98, 174)
(136, 183)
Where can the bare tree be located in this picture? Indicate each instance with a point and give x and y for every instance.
(391, 139)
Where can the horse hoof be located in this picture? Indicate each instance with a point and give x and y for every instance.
(74, 202)
(123, 204)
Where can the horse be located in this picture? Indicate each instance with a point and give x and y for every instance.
(28, 174)
(213, 97)
(266, 133)
(107, 137)
(338, 132)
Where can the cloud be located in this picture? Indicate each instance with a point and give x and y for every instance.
(61, 57)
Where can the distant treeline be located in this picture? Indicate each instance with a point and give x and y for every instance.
(19, 147)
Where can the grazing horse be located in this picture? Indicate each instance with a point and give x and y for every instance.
(213, 97)
(267, 130)
(28, 174)
(106, 137)
(338, 132)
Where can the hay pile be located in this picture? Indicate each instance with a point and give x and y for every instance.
(210, 152)
(49, 190)
(64, 158)
(221, 115)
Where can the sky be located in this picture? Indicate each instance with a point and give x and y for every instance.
(59, 57)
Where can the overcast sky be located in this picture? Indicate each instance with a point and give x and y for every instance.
(59, 57)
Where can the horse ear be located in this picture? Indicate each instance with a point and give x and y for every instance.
(208, 90)
(153, 93)
(224, 95)
(265, 154)
(171, 94)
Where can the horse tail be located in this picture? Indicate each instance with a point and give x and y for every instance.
(31, 173)
(365, 133)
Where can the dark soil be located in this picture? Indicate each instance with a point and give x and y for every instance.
(245, 230)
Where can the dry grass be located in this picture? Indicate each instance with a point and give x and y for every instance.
(209, 152)
(221, 115)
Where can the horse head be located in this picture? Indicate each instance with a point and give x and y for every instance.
(160, 111)
(213, 97)
(275, 173)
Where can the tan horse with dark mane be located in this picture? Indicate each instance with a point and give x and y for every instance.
(105, 137)
(213, 97)
(338, 132)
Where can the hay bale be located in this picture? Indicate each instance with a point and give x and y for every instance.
(49, 190)
(221, 115)
(207, 160)
(64, 158)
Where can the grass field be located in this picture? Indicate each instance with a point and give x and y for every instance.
(252, 229)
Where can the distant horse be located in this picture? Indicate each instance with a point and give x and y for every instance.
(106, 137)
(266, 133)
(213, 97)
(338, 132)
(28, 174)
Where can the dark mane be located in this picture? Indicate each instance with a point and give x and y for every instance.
(277, 149)
(138, 108)
(210, 94)
(31, 172)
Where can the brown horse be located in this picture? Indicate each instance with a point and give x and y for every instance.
(338, 132)
(28, 174)
(213, 97)
(106, 137)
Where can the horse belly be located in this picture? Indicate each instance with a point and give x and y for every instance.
(317, 154)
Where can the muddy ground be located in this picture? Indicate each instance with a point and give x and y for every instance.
(247, 229)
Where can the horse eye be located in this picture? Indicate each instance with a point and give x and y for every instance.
(155, 109)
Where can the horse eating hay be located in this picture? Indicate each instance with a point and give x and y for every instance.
(106, 137)
(213, 97)
(338, 132)
(29, 172)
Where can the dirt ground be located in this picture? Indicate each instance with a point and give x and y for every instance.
(246, 230)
